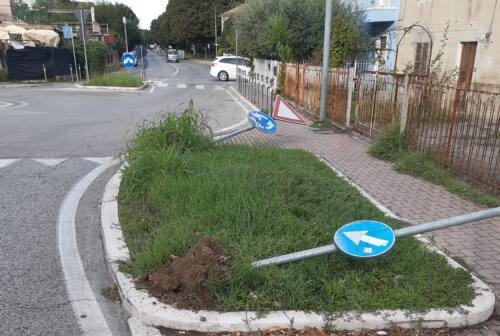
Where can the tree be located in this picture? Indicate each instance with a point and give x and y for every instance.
(189, 22)
(112, 14)
(284, 29)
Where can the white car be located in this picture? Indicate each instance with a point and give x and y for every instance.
(224, 67)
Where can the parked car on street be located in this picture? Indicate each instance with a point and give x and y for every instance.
(224, 67)
(173, 56)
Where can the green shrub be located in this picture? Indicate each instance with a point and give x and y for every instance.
(115, 79)
(4, 76)
(96, 56)
(390, 145)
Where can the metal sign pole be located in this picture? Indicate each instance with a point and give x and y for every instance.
(74, 55)
(405, 232)
(142, 65)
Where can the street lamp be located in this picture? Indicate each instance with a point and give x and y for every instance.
(125, 29)
(215, 29)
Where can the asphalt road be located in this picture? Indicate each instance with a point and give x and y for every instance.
(56, 149)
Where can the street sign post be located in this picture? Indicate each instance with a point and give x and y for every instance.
(365, 239)
(258, 120)
(128, 60)
(376, 238)
(68, 34)
(262, 122)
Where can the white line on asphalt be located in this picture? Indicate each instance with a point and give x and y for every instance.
(219, 88)
(7, 162)
(163, 85)
(172, 76)
(152, 90)
(50, 162)
(83, 300)
(16, 105)
(181, 86)
(200, 87)
(252, 106)
(97, 160)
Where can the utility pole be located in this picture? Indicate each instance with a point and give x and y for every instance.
(84, 47)
(236, 31)
(216, 43)
(326, 60)
(125, 30)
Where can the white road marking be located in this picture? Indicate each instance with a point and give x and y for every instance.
(176, 70)
(163, 85)
(83, 300)
(7, 162)
(200, 87)
(98, 160)
(219, 88)
(50, 162)
(152, 90)
(181, 86)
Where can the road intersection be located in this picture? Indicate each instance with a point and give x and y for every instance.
(58, 147)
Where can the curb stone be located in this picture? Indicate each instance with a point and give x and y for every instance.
(112, 88)
(140, 305)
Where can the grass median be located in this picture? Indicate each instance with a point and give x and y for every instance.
(262, 202)
(115, 80)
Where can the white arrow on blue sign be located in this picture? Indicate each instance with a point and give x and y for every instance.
(365, 239)
(262, 122)
(128, 60)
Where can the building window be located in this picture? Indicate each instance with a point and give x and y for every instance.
(421, 66)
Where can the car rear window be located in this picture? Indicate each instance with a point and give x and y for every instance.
(228, 60)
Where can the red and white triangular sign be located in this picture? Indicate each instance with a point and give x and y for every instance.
(284, 112)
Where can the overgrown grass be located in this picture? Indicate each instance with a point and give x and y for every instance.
(115, 79)
(262, 202)
(392, 146)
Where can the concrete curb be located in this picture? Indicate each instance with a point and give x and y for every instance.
(140, 305)
(16, 86)
(113, 88)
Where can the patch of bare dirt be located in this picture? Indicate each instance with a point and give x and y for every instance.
(183, 283)
(318, 332)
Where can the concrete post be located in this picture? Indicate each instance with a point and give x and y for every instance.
(350, 91)
(403, 118)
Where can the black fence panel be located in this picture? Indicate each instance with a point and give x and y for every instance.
(28, 63)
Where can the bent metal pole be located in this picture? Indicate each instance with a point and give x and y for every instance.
(408, 231)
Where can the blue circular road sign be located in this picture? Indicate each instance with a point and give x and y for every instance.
(128, 60)
(262, 122)
(365, 239)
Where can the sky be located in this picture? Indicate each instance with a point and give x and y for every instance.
(146, 10)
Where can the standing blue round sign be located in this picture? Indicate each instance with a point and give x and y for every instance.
(365, 239)
(262, 122)
(128, 60)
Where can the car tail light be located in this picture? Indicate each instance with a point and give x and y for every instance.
(212, 65)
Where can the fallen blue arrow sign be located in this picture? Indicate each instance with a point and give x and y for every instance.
(262, 122)
(377, 239)
(365, 239)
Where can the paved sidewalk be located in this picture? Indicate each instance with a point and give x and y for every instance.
(412, 199)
